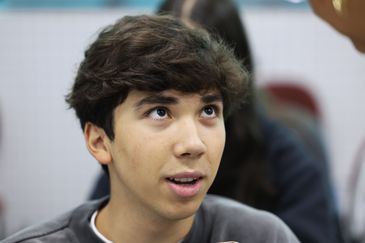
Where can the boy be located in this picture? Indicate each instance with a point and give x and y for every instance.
(151, 96)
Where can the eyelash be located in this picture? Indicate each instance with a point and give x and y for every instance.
(215, 108)
(149, 112)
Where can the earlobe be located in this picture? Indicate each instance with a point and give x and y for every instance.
(97, 143)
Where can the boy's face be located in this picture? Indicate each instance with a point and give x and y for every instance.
(166, 151)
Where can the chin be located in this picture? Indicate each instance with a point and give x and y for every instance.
(181, 214)
(183, 209)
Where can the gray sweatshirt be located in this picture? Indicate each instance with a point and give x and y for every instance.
(217, 220)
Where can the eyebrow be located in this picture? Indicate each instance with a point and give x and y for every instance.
(156, 99)
(170, 100)
(211, 98)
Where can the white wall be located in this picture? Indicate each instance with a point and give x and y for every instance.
(44, 166)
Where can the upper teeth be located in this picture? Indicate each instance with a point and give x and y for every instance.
(184, 179)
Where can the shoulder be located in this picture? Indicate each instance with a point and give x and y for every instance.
(51, 231)
(291, 164)
(293, 168)
(232, 220)
(232, 212)
(285, 148)
(64, 228)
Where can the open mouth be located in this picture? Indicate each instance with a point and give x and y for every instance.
(184, 181)
(185, 185)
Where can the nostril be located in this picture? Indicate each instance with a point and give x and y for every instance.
(185, 154)
(191, 155)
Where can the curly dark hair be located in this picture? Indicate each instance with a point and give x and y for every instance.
(153, 54)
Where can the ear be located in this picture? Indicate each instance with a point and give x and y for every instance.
(97, 143)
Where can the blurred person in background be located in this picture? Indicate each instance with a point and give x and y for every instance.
(346, 16)
(355, 220)
(263, 164)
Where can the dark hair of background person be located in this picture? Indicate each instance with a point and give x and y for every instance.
(243, 174)
(124, 58)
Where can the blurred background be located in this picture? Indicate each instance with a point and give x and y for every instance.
(45, 168)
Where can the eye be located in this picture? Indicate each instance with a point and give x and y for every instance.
(210, 111)
(158, 113)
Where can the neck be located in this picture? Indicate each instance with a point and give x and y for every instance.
(120, 223)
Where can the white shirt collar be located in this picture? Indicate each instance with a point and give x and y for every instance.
(96, 231)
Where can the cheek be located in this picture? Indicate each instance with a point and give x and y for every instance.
(215, 144)
(221, 144)
(128, 148)
(144, 150)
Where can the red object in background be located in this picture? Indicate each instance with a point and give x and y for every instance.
(295, 94)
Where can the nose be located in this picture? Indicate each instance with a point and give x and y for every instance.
(189, 143)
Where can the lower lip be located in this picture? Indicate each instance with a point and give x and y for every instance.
(185, 190)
